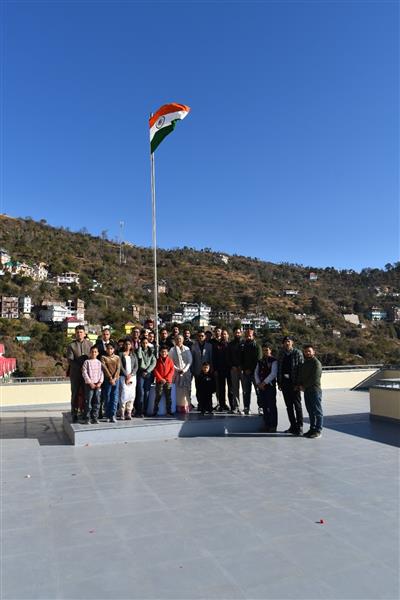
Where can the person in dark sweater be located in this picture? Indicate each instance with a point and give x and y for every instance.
(251, 354)
(265, 377)
(205, 389)
(235, 349)
(310, 382)
(289, 361)
(222, 371)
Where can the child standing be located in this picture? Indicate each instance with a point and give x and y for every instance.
(111, 368)
(205, 388)
(93, 377)
(163, 374)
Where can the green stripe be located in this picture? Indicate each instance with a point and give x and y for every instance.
(161, 134)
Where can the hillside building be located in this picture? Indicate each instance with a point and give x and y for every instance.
(53, 313)
(291, 292)
(4, 256)
(191, 310)
(68, 278)
(377, 314)
(313, 276)
(40, 272)
(25, 306)
(9, 307)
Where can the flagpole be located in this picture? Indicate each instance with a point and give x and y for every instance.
(153, 205)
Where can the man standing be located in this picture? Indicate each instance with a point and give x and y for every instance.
(235, 348)
(201, 353)
(310, 383)
(251, 354)
(222, 371)
(77, 352)
(186, 339)
(102, 343)
(289, 361)
(147, 361)
(265, 377)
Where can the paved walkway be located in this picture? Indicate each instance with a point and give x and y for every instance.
(234, 517)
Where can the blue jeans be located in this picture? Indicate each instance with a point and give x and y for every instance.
(247, 382)
(143, 386)
(92, 402)
(312, 399)
(111, 398)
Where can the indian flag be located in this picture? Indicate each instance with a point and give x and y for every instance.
(163, 122)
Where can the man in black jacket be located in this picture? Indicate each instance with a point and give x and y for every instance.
(251, 354)
(222, 370)
(235, 348)
(289, 361)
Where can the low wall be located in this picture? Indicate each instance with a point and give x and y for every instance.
(344, 379)
(385, 403)
(34, 393)
(59, 393)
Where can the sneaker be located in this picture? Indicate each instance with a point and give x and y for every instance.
(272, 430)
(170, 414)
(95, 421)
(246, 411)
(239, 412)
(260, 411)
(74, 418)
(113, 420)
(298, 432)
(86, 422)
(128, 418)
(155, 413)
(290, 430)
(308, 433)
(315, 434)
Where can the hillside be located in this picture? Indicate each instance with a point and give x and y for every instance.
(243, 284)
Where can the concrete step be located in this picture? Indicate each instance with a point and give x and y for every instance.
(160, 428)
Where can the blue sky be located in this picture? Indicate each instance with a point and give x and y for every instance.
(290, 152)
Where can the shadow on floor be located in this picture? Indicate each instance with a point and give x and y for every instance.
(360, 425)
(47, 430)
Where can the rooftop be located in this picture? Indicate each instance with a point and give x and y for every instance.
(232, 517)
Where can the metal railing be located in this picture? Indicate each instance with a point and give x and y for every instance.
(391, 384)
(33, 380)
(354, 367)
(326, 369)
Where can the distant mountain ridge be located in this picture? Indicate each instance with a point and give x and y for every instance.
(226, 282)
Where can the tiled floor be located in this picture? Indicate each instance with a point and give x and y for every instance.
(234, 517)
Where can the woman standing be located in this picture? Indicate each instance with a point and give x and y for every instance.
(129, 367)
(182, 359)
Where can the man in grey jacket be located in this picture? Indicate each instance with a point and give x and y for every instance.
(289, 361)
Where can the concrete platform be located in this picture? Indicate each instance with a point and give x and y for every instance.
(159, 428)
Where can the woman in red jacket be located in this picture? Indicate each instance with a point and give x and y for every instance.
(163, 373)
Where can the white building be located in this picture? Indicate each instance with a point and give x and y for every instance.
(177, 317)
(224, 258)
(291, 292)
(68, 278)
(191, 310)
(313, 276)
(25, 305)
(40, 272)
(4, 256)
(53, 313)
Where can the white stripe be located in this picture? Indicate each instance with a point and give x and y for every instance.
(169, 117)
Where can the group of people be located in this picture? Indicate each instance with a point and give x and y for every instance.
(113, 379)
